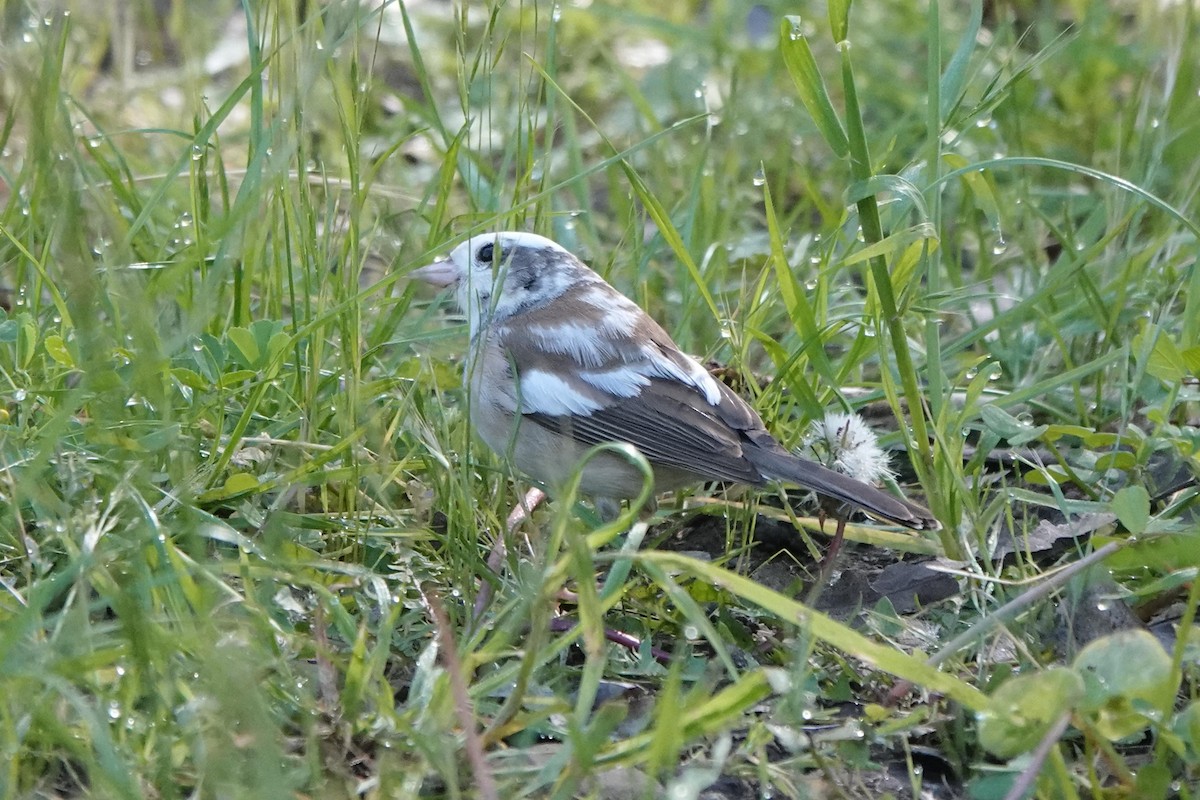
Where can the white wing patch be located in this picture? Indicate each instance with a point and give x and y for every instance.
(693, 375)
(578, 341)
(624, 381)
(544, 392)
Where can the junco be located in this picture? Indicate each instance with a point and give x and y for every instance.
(560, 361)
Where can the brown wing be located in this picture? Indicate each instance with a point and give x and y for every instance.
(671, 424)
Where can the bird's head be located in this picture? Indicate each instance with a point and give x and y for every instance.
(496, 275)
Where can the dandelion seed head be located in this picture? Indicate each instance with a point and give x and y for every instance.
(846, 444)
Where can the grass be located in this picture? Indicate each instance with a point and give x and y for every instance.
(246, 523)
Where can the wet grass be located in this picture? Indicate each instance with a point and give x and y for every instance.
(245, 524)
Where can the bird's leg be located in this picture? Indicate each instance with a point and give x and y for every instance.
(825, 571)
(519, 514)
(626, 640)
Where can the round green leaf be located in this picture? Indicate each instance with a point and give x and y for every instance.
(1024, 708)
(1126, 678)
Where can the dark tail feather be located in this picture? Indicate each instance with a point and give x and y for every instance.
(781, 465)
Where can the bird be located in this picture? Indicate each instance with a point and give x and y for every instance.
(559, 362)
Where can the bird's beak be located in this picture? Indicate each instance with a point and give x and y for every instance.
(439, 273)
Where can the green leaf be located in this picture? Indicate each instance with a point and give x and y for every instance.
(240, 483)
(1187, 728)
(891, 244)
(1009, 427)
(1132, 507)
(955, 75)
(1166, 362)
(237, 376)
(1055, 432)
(56, 348)
(245, 345)
(1127, 679)
(1191, 359)
(1023, 710)
(839, 19)
(891, 184)
(980, 183)
(798, 58)
(191, 378)
(1120, 460)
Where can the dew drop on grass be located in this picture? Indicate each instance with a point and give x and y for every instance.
(760, 177)
(999, 247)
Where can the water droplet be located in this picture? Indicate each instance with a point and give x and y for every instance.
(999, 247)
(760, 177)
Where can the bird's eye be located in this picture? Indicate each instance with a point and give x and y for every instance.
(486, 253)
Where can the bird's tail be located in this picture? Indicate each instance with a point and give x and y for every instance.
(782, 465)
